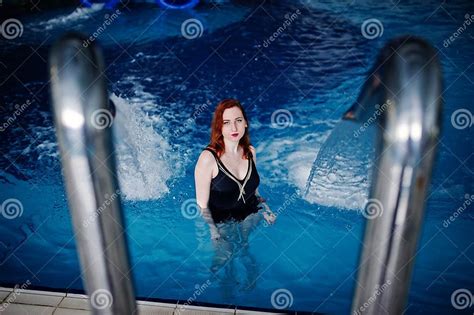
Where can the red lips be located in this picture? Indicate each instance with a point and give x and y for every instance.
(234, 134)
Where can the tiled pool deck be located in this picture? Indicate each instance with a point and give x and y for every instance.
(36, 302)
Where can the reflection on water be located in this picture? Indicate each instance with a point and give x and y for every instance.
(233, 265)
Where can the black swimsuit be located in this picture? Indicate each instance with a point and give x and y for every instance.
(231, 198)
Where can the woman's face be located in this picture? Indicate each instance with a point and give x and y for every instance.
(233, 126)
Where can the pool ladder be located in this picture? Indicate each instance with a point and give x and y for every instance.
(83, 119)
(403, 92)
(405, 83)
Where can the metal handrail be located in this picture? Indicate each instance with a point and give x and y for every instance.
(406, 84)
(83, 123)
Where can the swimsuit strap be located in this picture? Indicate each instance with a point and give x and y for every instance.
(212, 151)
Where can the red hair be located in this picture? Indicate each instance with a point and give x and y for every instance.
(217, 140)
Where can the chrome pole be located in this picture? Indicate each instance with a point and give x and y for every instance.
(83, 121)
(406, 84)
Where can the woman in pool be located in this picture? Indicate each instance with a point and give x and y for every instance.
(226, 176)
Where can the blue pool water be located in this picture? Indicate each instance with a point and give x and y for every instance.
(166, 86)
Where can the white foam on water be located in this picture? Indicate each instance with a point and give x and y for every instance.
(76, 15)
(341, 176)
(289, 158)
(144, 158)
(48, 149)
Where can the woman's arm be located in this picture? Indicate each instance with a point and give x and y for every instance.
(268, 215)
(254, 158)
(202, 181)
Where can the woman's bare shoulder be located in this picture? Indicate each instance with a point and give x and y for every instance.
(253, 152)
(205, 158)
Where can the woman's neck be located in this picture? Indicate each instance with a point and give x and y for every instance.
(231, 147)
